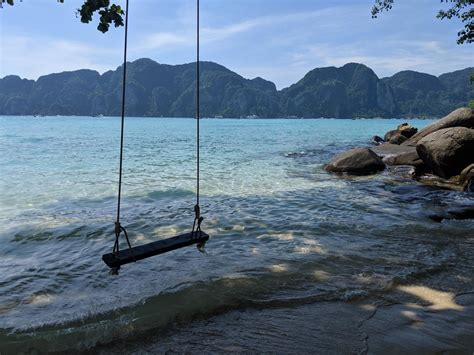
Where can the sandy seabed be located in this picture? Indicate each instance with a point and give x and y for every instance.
(416, 318)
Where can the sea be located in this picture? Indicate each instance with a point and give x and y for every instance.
(283, 231)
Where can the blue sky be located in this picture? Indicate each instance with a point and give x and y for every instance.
(279, 40)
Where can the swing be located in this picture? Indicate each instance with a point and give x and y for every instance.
(118, 257)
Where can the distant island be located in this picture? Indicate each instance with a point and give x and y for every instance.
(155, 90)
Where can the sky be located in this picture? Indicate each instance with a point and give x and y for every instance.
(279, 40)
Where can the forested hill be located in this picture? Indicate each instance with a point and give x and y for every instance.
(154, 89)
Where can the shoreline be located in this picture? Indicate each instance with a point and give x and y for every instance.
(229, 118)
(422, 323)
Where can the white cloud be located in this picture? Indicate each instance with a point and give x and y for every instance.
(278, 46)
(219, 33)
(385, 57)
(31, 57)
(159, 40)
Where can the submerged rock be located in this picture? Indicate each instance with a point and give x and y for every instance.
(466, 178)
(409, 158)
(447, 151)
(357, 161)
(434, 180)
(462, 117)
(459, 213)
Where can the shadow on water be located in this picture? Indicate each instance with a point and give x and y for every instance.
(357, 239)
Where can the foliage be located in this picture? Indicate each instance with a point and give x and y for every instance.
(108, 13)
(461, 9)
(170, 90)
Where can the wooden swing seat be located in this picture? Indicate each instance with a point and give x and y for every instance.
(126, 256)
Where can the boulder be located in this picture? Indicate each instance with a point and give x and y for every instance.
(410, 158)
(407, 130)
(357, 161)
(390, 134)
(462, 117)
(377, 140)
(434, 180)
(401, 134)
(447, 151)
(387, 149)
(466, 178)
(397, 138)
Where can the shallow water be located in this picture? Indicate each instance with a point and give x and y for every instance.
(283, 231)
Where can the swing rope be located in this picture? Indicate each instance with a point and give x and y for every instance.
(196, 230)
(118, 227)
(197, 209)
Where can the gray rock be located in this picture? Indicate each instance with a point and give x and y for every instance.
(434, 180)
(390, 134)
(397, 138)
(401, 134)
(447, 151)
(357, 161)
(387, 149)
(459, 213)
(407, 130)
(377, 140)
(466, 178)
(410, 158)
(462, 117)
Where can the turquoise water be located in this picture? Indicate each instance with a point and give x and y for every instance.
(283, 231)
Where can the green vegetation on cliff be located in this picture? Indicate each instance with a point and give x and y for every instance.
(154, 89)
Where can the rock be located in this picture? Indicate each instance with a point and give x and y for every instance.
(462, 117)
(407, 130)
(433, 180)
(447, 151)
(387, 149)
(401, 134)
(459, 213)
(397, 138)
(466, 178)
(390, 134)
(377, 140)
(410, 158)
(357, 161)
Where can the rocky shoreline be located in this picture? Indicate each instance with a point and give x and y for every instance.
(441, 154)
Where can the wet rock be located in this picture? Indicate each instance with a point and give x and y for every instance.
(407, 130)
(387, 149)
(409, 158)
(462, 117)
(466, 178)
(459, 213)
(357, 161)
(434, 180)
(377, 140)
(447, 151)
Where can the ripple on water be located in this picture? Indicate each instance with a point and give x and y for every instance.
(283, 233)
